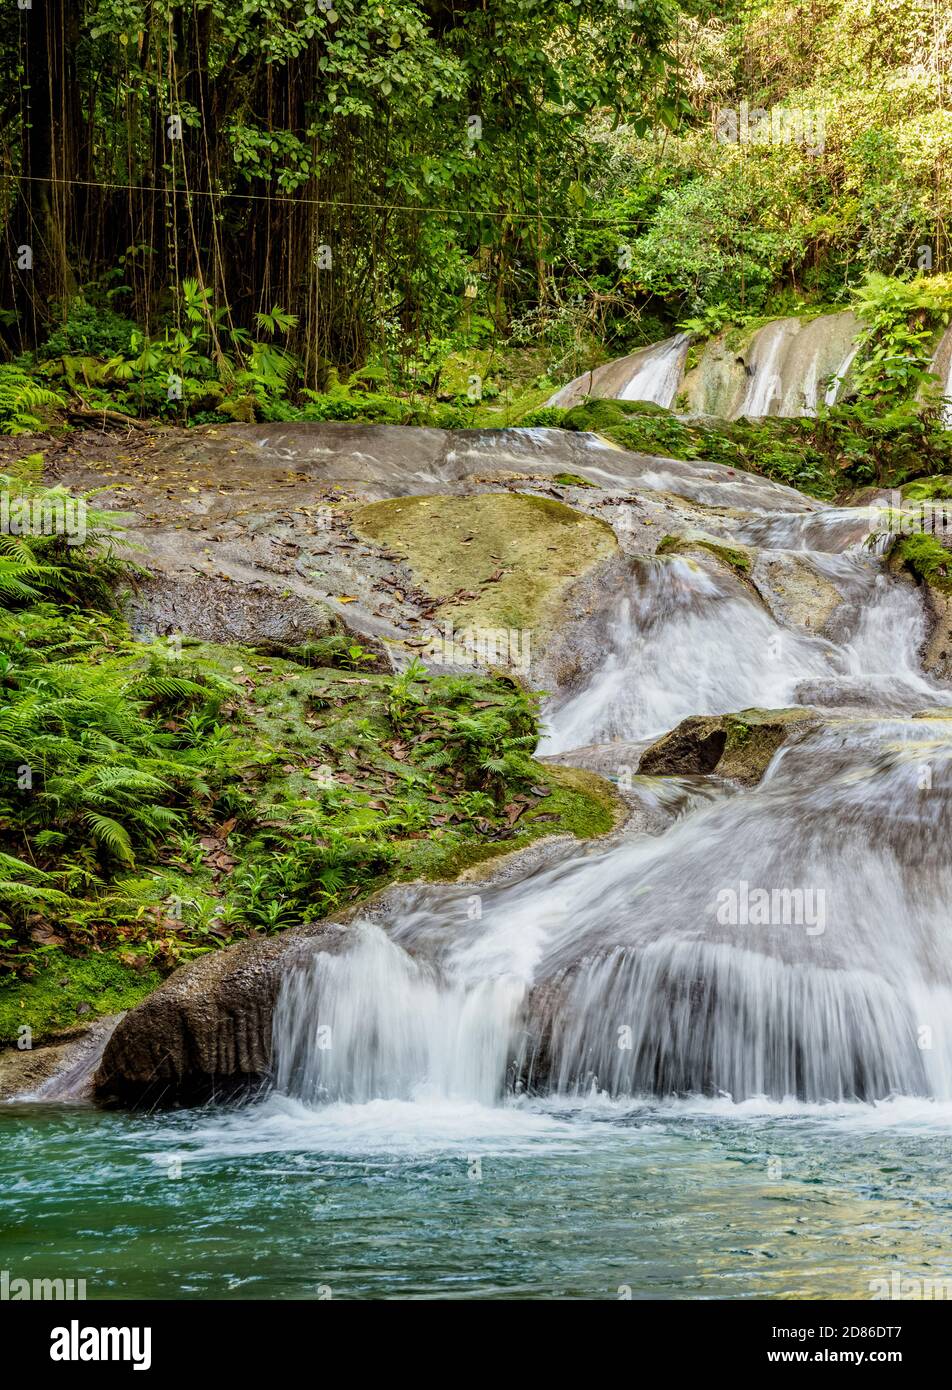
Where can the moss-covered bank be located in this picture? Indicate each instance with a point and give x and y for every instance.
(159, 800)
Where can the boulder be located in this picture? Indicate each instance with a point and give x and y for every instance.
(737, 746)
(796, 595)
(218, 610)
(206, 1031)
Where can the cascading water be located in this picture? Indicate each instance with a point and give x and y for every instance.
(658, 375)
(751, 950)
(787, 941)
(765, 385)
(787, 368)
(683, 642)
(679, 1061)
(651, 374)
(389, 1025)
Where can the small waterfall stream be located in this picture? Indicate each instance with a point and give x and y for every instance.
(788, 941)
(658, 375)
(786, 367)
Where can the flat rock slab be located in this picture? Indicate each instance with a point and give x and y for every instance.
(269, 532)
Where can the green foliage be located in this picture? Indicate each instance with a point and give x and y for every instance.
(350, 129)
(88, 331)
(719, 240)
(591, 209)
(25, 403)
(549, 417)
(150, 809)
(847, 444)
(928, 489)
(902, 320)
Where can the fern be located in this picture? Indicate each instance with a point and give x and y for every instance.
(25, 406)
(111, 834)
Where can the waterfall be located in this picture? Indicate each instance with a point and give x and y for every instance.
(656, 967)
(372, 1022)
(790, 941)
(683, 642)
(764, 384)
(651, 374)
(658, 374)
(786, 367)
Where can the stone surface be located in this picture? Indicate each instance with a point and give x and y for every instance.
(499, 560)
(61, 1069)
(795, 593)
(737, 746)
(206, 1031)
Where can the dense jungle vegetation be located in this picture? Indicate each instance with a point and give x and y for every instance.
(436, 209)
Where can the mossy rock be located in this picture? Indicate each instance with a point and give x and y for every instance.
(930, 564)
(495, 560)
(571, 480)
(737, 557)
(596, 413)
(928, 560)
(938, 488)
(738, 746)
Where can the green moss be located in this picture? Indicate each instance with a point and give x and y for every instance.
(928, 489)
(571, 480)
(738, 746)
(928, 560)
(495, 560)
(598, 415)
(322, 785)
(738, 733)
(67, 991)
(579, 803)
(736, 557)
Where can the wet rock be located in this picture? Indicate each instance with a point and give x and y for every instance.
(736, 557)
(937, 657)
(205, 1032)
(498, 562)
(256, 534)
(652, 373)
(215, 610)
(781, 368)
(796, 595)
(60, 1069)
(576, 645)
(738, 746)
